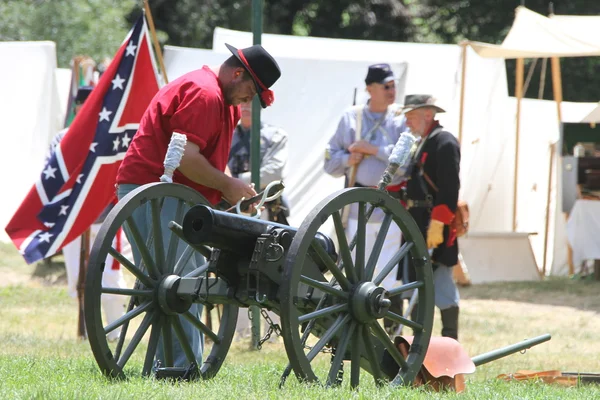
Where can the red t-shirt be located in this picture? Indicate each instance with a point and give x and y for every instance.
(194, 106)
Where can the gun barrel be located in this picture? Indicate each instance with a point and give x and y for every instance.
(508, 350)
(226, 231)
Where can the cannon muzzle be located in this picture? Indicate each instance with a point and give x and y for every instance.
(226, 231)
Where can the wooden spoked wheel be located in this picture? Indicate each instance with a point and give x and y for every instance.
(336, 304)
(153, 319)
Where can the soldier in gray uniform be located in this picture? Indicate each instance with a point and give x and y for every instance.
(360, 149)
(273, 158)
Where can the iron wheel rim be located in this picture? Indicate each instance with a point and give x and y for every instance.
(154, 320)
(299, 250)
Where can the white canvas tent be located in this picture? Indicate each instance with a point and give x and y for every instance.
(486, 167)
(535, 36)
(31, 113)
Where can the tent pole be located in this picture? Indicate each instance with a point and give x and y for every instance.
(548, 201)
(462, 91)
(558, 97)
(557, 86)
(519, 95)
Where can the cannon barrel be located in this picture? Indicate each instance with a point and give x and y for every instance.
(508, 350)
(226, 231)
(238, 233)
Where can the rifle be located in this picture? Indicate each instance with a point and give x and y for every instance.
(351, 178)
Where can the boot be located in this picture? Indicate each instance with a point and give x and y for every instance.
(450, 322)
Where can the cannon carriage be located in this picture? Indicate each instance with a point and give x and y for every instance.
(321, 285)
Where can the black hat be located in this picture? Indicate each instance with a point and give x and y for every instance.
(414, 101)
(262, 67)
(379, 73)
(82, 94)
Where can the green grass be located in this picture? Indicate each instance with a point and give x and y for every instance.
(40, 357)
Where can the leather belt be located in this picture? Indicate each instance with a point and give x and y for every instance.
(419, 203)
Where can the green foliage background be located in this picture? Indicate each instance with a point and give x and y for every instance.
(97, 27)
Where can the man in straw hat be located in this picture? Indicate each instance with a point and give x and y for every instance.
(204, 106)
(432, 192)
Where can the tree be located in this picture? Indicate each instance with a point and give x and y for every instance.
(451, 21)
(79, 27)
(97, 27)
(191, 23)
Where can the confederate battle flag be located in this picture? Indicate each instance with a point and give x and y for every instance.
(78, 180)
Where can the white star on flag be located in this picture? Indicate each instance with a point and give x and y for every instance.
(78, 180)
(63, 210)
(126, 140)
(105, 115)
(130, 49)
(93, 147)
(49, 224)
(118, 82)
(49, 172)
(45, 237)
(116, 143)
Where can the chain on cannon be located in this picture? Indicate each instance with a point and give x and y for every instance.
(273, 327)
(325, 290)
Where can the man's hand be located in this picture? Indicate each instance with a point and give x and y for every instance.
(435, 234)
(355, 158)
(364, 147)
(235, 189)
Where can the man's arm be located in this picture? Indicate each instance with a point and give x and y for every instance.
(197, 168)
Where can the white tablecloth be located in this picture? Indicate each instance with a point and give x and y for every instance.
(583, 231)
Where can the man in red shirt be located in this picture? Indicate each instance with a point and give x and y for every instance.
(204, 106)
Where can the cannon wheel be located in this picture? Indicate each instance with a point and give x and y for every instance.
(144, 312)
(343, 325)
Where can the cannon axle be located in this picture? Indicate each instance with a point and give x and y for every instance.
(369, 302)
(166, 296)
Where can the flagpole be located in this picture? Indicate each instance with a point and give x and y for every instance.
(155, 40)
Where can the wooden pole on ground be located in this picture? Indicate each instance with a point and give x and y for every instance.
(460, 271)
(83, 260)
(155, 40)
(519, 96)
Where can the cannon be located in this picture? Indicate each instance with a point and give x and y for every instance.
(326, 293)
